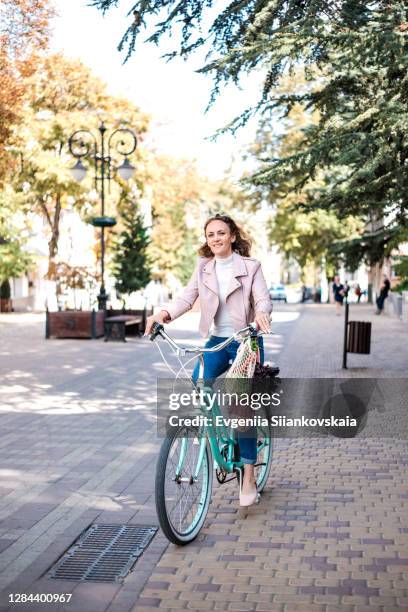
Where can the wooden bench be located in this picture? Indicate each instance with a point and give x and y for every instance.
(115, 327)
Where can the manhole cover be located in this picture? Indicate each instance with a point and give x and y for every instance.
(103, 553)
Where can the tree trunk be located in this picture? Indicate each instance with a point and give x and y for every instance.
(374, 280)
(53, 222)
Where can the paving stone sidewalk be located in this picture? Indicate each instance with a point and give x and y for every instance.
(329, 534)
(78, 446)
(331, 531)
(315, 345)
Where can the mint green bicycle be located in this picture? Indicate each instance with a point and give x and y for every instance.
(184, 473)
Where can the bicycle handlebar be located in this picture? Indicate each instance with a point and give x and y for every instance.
(158, 330)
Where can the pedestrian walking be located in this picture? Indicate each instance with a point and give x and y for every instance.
(232, 292)
(338, 292)
(358, 292)
(384, 290)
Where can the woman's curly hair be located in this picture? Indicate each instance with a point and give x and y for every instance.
(242, 244)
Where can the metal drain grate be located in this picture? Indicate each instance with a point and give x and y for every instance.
(103, 553)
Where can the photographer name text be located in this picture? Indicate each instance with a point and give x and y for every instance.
(258, 421)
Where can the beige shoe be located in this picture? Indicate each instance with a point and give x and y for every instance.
(247, 499)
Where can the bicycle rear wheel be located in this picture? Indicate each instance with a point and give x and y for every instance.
(182, 495)
(264, 456)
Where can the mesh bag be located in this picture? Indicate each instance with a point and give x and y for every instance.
(245, 361)
(238, 379)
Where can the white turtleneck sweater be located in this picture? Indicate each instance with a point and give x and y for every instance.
(222, 320)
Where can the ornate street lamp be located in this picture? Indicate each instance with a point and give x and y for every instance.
(83, 144)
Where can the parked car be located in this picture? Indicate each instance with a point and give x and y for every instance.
(278, 292)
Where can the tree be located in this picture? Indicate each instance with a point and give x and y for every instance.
(359, 49)
(308, 238)
(131, 265)
(15, 259)
(182, 199)
(65, 96)
(401, 270)
(24, 31)
(175, 192)
(23, 38)
(302, 232)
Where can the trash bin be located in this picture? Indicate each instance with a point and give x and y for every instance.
(359, 337)
(317, 297)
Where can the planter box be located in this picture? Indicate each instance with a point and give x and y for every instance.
(75, 324)
(5, 305)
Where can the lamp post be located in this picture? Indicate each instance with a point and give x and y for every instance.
(83, 144)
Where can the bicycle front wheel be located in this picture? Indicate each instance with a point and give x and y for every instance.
(183, 484)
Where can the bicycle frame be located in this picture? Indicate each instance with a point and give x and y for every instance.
(216, 440)
(209, 431)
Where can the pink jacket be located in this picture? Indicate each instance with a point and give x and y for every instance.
(248, 294)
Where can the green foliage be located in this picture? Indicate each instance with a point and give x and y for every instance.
(175, 192)
(359, 146)
(309, 238)
(187, 259)
(181, 201)
(65, 96)
(401, 270)
(13, 260)
(302, 232)
(355, 58)
(131, 266)
(274, 35)
(24, 31)
(14, 257)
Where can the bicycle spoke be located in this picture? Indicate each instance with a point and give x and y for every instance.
(264, 456)
(184, 498)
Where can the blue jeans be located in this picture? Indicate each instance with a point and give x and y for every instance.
(380, 302)
(216, 364)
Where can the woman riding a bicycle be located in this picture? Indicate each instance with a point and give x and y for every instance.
(232, 292)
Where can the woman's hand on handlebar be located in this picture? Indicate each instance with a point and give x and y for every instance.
(160, 317)
(263, 322)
